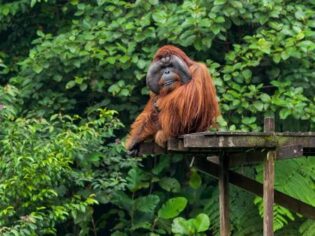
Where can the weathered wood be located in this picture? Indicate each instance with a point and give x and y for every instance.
(241, 133)
(269, 124)
(241, 158)
(246, 158)
(254, 157)
(224, 196)
(176, 144)
(247, 141)
(242, 148)
(269, 179)
(269, 174)
(288, 144)
(231, 142)
(289, 151)
(150, 147)
(256, 188)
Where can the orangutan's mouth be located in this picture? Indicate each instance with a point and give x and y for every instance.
(168, 83)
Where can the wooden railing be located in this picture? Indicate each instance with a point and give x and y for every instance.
(215, 152)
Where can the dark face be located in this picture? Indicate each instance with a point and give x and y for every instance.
(167, 73)
(169, 78)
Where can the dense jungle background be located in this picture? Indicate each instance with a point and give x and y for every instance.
(72, 79)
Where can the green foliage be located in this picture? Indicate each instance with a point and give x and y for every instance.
(154, 209)
(101, 58)
(172, 208)
(192, 226)
(298, 172)
(54, 170)
(307, 228)
(60, 58)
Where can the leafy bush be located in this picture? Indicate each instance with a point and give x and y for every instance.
(153, 202)
(54, 171)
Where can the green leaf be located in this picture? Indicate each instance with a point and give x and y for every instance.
(227, 77)
(172, 208)
(111, 60)
(122, 200)
(192, 226)
(285, 55)
(182, 227)
(284, 113)
(164, 164)
(259, 106)
(265, 97)
(186, 41)
(264, 45)
(236, 4)
(33, 2)
(83, 87)
(249, 120)
(5, 10)
(114, 89)
(277, 58)
(57, 78)
(219, 2)
(70, 84)
(124, 92)
(37, 68)
(247, 74)
(124, 58)
(137, 179)
(170, 184)
(195, 179)
(141, 64)
(201, 222)
(159, 16)
(154, 2)
(147, 204)
(299, 15)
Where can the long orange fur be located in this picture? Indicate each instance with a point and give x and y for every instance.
(190, 107)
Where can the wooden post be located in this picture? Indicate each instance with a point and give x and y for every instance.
(252, 186)
(224, 196)
(269, 124)
(269, 175)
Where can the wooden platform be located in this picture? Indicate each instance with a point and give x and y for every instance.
(216, 152)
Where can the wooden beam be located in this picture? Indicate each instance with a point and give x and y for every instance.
(254, 157)
(255, 187)
(224, 196)
(229, 142)
(268, 198)
(247, 141)
(289, 145)
(149, 147)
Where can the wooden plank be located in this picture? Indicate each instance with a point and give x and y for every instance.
(255, 187)
(241, 158)
(224, 196)
(268, 198)
(247, 158)
(254, 157)
(176, 144)
(231, 142)
(149, 147)
(289, 152)
(247, 141)
(239, 155)
(241, 133)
